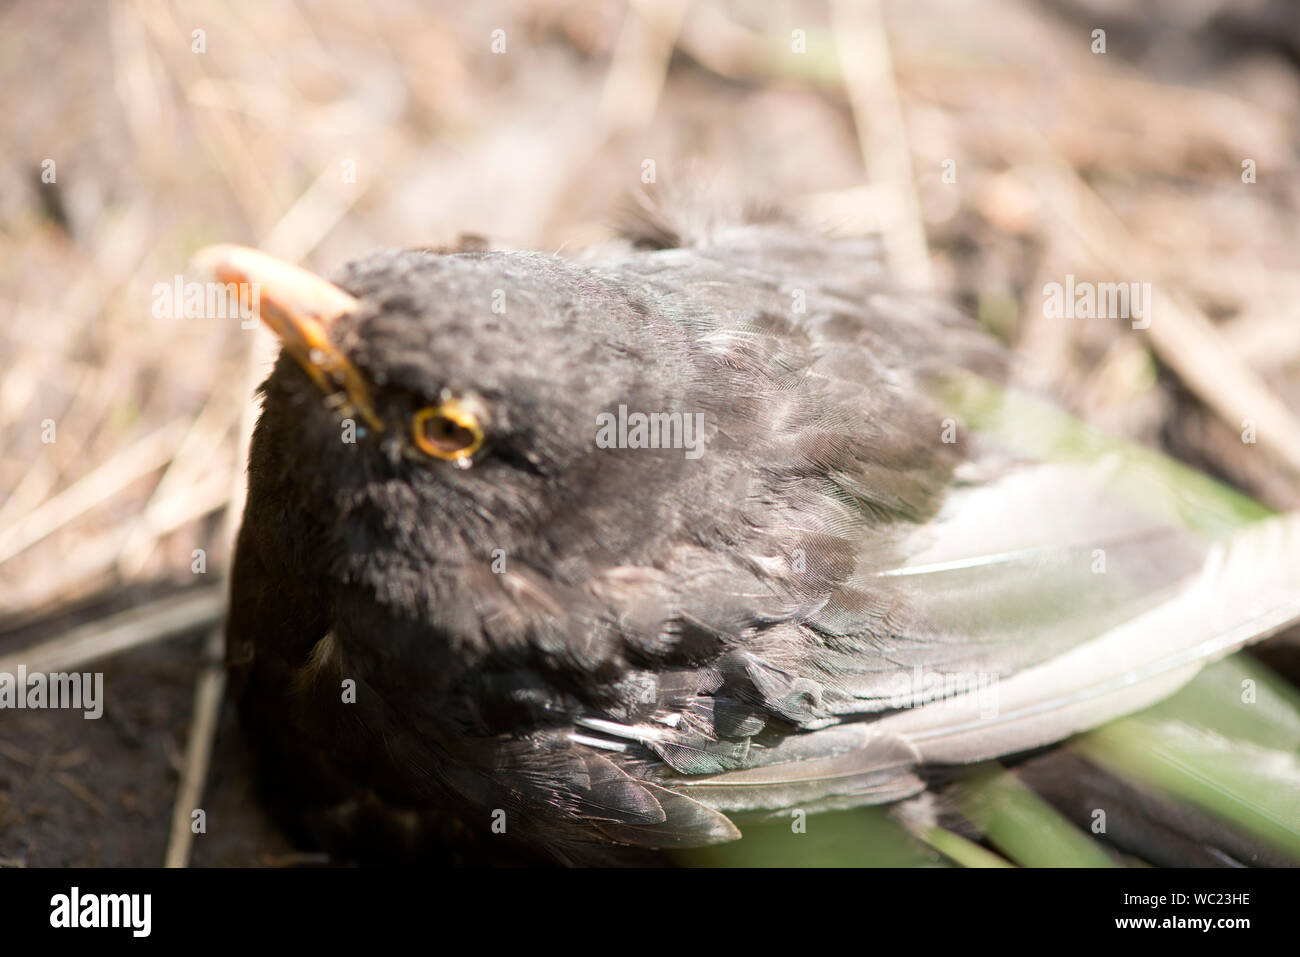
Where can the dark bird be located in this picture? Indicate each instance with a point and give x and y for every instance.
(590, 558)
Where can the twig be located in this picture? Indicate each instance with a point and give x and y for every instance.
(195, 451)
(869, 78)
(95, 556)
(210, 686)
(191, 609)
(208, 692)
(81, 791)
(147, 455)
(1182, 335)
(640, 63)
(15, 753)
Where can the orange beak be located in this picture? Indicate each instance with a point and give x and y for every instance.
(300, 308)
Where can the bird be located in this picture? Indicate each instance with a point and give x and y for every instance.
(596, 558)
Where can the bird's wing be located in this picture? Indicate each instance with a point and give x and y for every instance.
(1043, 598)
(1247, 587)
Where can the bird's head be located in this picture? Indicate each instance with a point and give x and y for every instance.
(434, 411)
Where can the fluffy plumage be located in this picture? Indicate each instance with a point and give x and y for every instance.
(673, 639)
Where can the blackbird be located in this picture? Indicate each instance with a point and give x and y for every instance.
(595, 558)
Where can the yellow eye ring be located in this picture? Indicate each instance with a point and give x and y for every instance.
(447, 431)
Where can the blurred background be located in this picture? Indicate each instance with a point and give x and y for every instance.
(997, 146)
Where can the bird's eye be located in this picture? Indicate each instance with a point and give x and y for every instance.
(447, 431)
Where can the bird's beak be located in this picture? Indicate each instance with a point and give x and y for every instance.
(300, 308)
